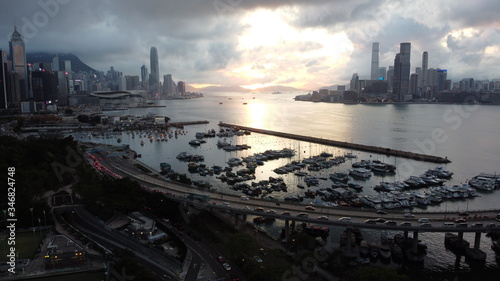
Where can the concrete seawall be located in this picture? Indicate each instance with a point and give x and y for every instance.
(361, 147)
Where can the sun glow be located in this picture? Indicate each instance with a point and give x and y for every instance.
(257, 114)
(275, 52)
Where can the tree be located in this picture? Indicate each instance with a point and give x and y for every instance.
(375, 273)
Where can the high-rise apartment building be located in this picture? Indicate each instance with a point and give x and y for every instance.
(374, 69)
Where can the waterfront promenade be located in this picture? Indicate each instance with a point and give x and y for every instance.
(361, 147)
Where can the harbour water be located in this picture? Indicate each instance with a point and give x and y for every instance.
(467, 134)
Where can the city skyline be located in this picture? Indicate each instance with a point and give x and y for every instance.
(303, 44)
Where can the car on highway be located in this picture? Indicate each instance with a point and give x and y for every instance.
(423, 220)
(311, 208)
(226, 266)
(405, 223)
(370, 221)
(323, 218)
(497, 217)
(391, 223)
(380, 212)
(285, 213)
(303, 215)
(462, 225)
(426, 225)
(224, 204)
(460, 220)
(477, 224)
(381, 220)
(259, 209)
(271, 211)
(465, 214)
(409, 215)
(235, 278)
(220, 259)
(345, 219)
(257, 259)
(244, 198)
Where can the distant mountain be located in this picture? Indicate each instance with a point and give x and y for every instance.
(76, 64)
(277, 88)
(221, 89)
(241, 89)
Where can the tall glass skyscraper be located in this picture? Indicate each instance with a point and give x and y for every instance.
(18, 57)
(374, 69)
(154, 77)
(401, 79)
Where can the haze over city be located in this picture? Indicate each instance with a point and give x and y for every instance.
(252, 43)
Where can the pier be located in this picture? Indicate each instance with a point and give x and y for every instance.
(361, 147)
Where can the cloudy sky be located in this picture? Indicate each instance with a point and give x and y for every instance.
(300, 43)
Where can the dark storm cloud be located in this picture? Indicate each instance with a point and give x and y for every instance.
(198, 38)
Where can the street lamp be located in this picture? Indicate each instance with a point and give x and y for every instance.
(44, 220)
(446, 209)
(32, 221)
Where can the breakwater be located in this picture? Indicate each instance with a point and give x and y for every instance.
(343, 144)
(182, 124)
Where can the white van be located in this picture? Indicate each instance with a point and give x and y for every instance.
(448, 224)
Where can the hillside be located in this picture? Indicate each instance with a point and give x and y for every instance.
(76, 64)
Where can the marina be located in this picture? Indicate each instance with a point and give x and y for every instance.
(154, 153)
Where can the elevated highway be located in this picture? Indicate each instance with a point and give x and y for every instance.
(234, 204)
(478, 221)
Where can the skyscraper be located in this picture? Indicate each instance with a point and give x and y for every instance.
(374, 70)
(168, 85)
(182, 88)
(401, 79)
(3, 79)
(354, 85)
(154, 77)
(425, 66)
(18, 57)
(144, 73)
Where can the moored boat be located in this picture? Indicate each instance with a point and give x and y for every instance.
(361, 173)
